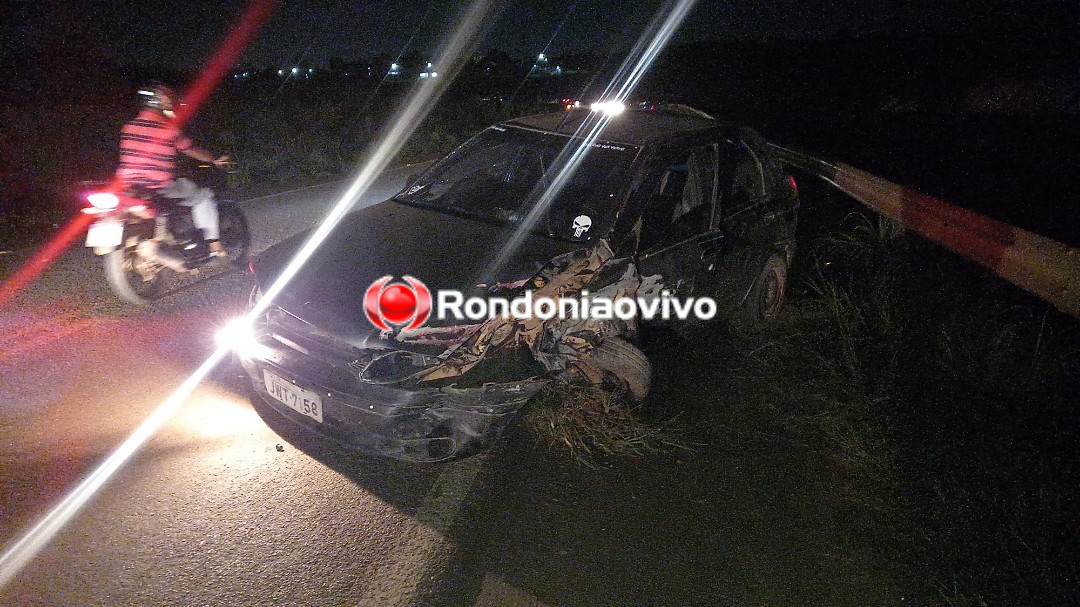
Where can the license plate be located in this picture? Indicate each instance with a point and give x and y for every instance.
(304, 402)
(105, 233)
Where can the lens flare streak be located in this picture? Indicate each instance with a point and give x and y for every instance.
(464, 40)
(228, 53)
(639, 60)
(652, 41)
(44, 257)
(414, 112)
(20, 553)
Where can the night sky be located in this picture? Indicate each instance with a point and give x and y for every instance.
(182, 33)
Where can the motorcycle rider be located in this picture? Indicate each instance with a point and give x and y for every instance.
(148, 146)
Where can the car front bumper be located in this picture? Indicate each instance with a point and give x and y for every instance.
(414, 422)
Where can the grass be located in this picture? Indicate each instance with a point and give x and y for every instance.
(939, 402)
(950, 396)
(589, 421)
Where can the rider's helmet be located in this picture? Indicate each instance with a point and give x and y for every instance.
(159, 96)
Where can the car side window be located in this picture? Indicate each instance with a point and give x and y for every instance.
(693, 213)
(683, 203)
(741, 182)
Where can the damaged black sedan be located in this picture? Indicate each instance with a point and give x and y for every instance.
(655, 208)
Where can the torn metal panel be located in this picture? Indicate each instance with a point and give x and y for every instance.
(442, 336)
(557, 342)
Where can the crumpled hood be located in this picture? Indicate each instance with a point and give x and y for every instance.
(443, 251)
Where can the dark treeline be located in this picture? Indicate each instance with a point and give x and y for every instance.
(933, 111)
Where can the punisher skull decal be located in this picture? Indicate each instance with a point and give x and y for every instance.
(582, 223)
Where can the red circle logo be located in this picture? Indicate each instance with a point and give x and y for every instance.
(393, 306)
(398, 304)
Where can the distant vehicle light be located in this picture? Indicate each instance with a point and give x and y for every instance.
(611, 108)
(103, 200)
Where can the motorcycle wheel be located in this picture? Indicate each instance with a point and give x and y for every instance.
(234, 234)
(133, 278)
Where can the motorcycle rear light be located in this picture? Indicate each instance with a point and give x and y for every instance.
(103, 200)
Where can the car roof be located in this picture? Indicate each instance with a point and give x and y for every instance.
(633, 127)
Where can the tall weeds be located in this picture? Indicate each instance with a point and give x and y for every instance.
(950, 394)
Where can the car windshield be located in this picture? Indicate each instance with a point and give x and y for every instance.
(501, 174)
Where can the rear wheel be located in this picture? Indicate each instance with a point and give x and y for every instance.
(132, 277)
(766, 297)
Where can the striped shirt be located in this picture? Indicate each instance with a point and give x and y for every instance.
(148, 146)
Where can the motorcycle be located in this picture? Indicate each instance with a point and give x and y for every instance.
(145, 238)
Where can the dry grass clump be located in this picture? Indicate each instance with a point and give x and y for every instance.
(591, 421)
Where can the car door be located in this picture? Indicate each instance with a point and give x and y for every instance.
(677, 238)
(741, 199)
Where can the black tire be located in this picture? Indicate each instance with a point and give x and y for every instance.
(133, 279)
(233, 232)
(626, 362)
(767, 295)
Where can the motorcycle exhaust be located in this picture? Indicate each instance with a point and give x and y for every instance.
(149, 249)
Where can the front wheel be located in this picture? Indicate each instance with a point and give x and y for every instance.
(233, 231)
(132, 277)
(625, 363)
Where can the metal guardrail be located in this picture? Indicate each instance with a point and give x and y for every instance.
(1040, 265)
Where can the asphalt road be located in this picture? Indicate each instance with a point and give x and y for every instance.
(216, 508)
